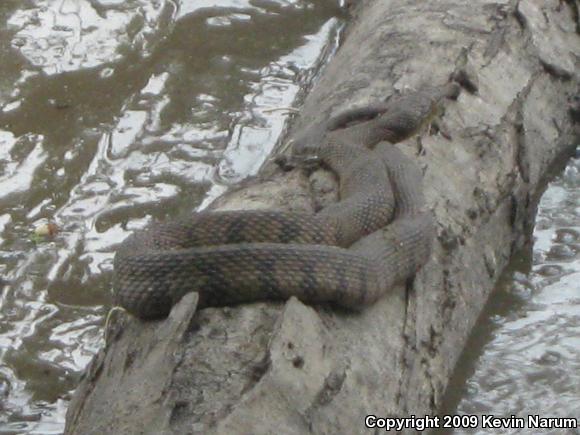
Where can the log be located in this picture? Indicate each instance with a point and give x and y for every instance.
(270, 368)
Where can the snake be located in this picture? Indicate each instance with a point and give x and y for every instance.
(349, 254)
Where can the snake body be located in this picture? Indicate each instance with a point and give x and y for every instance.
(396, 119)
(231, 257)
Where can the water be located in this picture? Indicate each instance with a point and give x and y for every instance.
(113, 113)
(524, 355)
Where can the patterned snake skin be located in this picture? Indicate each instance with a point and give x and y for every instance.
(231, 257)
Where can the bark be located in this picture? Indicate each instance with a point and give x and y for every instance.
(293, 369)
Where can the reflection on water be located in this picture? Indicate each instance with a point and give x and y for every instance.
(528, 344)
(114, 113)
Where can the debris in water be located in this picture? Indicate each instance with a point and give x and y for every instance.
(44, 231)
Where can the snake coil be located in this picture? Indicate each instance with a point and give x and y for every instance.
(231, 257)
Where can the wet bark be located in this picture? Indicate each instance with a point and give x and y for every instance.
(293, 369)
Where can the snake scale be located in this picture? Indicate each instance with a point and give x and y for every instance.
(231, 257)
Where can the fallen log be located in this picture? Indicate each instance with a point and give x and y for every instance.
(293, 369)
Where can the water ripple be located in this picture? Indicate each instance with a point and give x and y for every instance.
(531, 361)
(114, 114)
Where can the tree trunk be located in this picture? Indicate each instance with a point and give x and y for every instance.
(289, 368)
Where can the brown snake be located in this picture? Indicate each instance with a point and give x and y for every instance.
(231, 257)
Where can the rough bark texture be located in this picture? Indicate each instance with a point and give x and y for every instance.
(294, 369)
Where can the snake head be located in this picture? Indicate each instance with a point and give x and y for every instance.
(304, 149)
(299, 156)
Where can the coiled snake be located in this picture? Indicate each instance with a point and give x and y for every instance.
(230, 257)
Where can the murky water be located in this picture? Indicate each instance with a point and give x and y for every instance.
(524, 355)
(113, 113)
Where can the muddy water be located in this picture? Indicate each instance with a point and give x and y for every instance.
(524, 356)
(114, 113)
